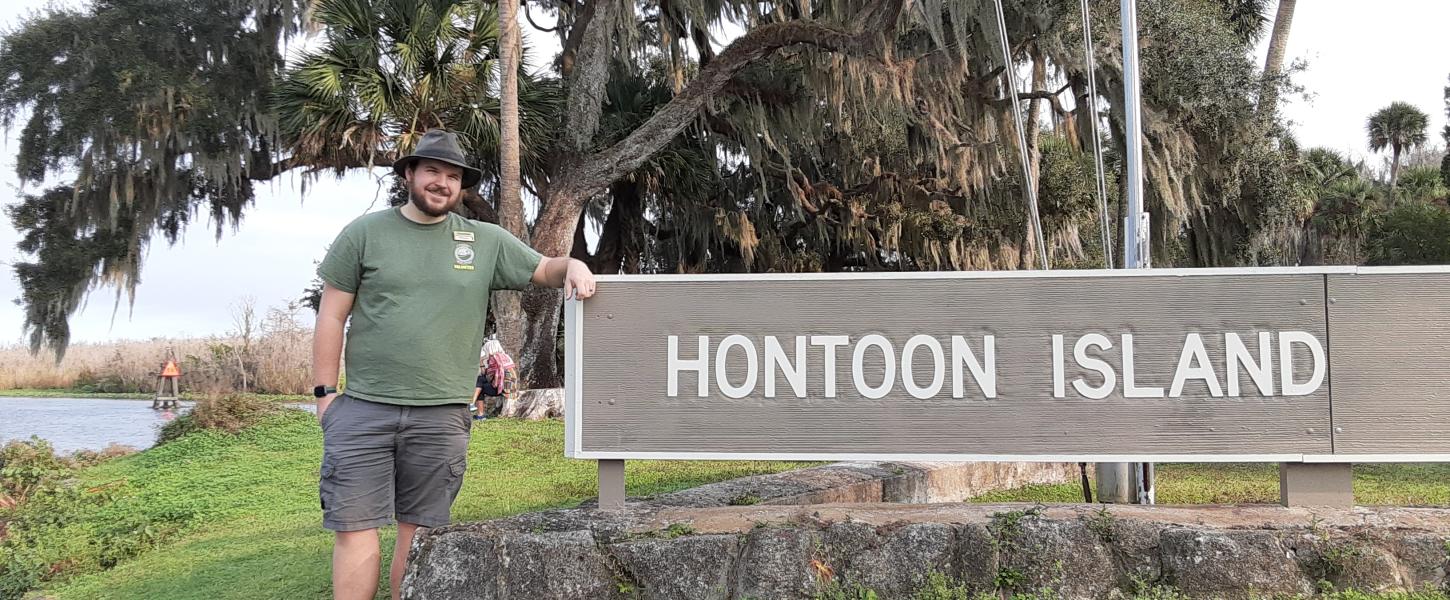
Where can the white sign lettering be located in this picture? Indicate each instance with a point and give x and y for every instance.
(817, 355)
(920, 367)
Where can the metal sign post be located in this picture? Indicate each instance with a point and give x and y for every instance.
(1138, 486)
(1135, 254)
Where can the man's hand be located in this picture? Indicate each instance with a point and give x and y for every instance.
(578, 280)
(567, 273)
(322, 404)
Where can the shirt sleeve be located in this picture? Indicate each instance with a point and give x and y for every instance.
(516, 263)
(342, 267)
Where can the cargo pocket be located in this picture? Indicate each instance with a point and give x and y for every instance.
(456, 468)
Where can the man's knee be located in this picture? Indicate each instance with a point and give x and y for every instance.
(406, 532)
(360, 539)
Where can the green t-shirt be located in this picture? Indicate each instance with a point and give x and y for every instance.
(421, 298)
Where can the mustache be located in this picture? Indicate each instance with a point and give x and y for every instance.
(438, 190)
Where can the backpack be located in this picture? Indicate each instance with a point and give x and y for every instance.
(498, 363)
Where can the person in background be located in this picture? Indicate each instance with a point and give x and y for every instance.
(482, 389)
(497, 378)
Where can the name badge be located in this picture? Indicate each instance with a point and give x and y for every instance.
(463, 236)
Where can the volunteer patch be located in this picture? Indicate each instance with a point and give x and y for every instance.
(463, 256)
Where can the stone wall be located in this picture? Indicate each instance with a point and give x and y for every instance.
(653, 551)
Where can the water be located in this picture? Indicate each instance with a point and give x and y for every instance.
(88, 424)
(83, 424)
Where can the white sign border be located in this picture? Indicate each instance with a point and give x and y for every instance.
(574, 361)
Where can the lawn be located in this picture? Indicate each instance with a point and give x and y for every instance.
(217, 515)
(1420, 484)
(248, 509)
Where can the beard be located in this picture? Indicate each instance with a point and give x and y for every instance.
(420, 200)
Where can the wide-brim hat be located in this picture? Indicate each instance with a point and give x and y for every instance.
(441, 146)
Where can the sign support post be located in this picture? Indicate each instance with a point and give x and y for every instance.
(1127, 483)
(1322, 484)
(611, 484)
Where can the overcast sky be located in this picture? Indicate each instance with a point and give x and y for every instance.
(1361, 56)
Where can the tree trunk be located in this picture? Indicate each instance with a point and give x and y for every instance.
(477, 208)
(1274, 63)
(1394, 169)
(1033, 132)
(612, 237)
(669, 38)
(1122, 217)
(1082, 113)
(553, 236)
(508, 312)
(1034, 115)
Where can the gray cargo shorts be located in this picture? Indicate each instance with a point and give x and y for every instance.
(383, 461)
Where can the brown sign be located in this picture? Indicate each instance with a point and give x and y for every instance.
(1162, 365)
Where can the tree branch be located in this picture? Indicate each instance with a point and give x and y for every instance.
(261, 170)
(576, 36)
(579, 179)
(702, 45)
(667, 122)
(530, 19)
(586, 86)
(1051, 97)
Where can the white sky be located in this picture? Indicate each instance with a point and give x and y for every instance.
(1360, 58)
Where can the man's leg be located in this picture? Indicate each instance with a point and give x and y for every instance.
(356, 562)
(356, 487)
(400, 556)
(432, 454)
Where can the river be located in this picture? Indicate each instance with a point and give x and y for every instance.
(71, 424)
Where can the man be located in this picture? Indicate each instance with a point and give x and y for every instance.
(415, 281)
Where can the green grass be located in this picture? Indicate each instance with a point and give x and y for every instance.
(1374, 484)
(51, 393)
(236, 516)
(248, 509)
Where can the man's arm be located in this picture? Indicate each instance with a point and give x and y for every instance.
(327, 340)
(567, 273)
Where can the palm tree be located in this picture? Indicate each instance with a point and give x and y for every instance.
(1274, 62)
(390, 70)
(508, 312)
(1246, 18)
(1422, 183)
(1340, 219)
(1323, 167)
(1399, 127)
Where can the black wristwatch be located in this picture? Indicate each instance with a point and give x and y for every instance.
(322, 391)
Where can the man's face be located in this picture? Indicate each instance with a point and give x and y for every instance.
(434, 187)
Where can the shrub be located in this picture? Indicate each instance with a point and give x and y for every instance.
(225, 413)
(26, 467)
(38, 498)
(81, 459)
(1413, 233)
